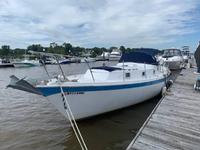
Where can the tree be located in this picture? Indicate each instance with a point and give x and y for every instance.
(103, 49)
(77, 51)
(67, 48)
(5, 50)
(35, 47)
(123, 49)
(128, 49)
(112, 48)
(96, 51)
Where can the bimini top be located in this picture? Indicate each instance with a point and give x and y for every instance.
(138, 57)
(149, 51)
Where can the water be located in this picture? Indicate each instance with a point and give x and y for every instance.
(29, 121)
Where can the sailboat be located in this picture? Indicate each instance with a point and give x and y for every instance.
(136, 78)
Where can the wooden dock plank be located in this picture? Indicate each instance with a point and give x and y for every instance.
(170, 140)
(175, 124)
(185, 132)
(150, 142)
(182, 122)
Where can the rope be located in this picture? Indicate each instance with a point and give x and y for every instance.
(73, 121)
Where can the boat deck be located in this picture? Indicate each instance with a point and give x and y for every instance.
(175, 122)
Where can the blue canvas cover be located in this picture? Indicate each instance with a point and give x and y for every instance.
(138, 57)
(149, 51)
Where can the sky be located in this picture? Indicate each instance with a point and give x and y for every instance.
(102, 23)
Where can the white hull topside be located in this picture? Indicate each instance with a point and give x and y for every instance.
(26, 63)
(174, 65)
(19, 65)
(86, 104)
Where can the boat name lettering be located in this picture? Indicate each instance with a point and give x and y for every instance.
(73, 93)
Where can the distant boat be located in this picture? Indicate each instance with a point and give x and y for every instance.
(4, 63)
(88, 59)
(102, 89)
(75, 60)
(48, 60)
(186, 53)
(104, 56)
(172, 58)
(69, 60)
(26, 63)
(115, 55)
(65, 61)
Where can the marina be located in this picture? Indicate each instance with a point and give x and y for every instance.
(174, 122)
(99, 75)
(29, 121)
(121, 82)
(72, 88)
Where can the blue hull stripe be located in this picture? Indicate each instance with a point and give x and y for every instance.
(47, 91)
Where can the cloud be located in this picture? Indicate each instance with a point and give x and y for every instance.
(89, 23)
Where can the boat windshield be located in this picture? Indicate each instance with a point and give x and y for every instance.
(185, 53)
(171, 52)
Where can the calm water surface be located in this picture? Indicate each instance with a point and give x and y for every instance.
(29, 121)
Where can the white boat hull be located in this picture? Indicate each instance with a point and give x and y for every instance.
(114, 58)
(22, 65)
(174, 65)
(90, 103)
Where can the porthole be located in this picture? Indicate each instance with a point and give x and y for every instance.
(128, 75)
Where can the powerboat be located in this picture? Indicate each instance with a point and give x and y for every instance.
(65, 61)
(136, 78)
(186, 56)
(26, 63)
(88, 59)
(172, 58)
(115, 55)
(185, 53)
(48, 60)
(103, 57)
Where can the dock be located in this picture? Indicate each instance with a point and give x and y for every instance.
(175, 121)
(6, 65)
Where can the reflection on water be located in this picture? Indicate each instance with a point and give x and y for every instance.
(29, 121)
(113, 130)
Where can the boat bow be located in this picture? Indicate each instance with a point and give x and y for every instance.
(23, 85)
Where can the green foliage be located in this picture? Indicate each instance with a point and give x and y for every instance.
(5, 50)
(65, 49)
(35, 47)
(123, 49)
(96, 51)
(112, 48)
